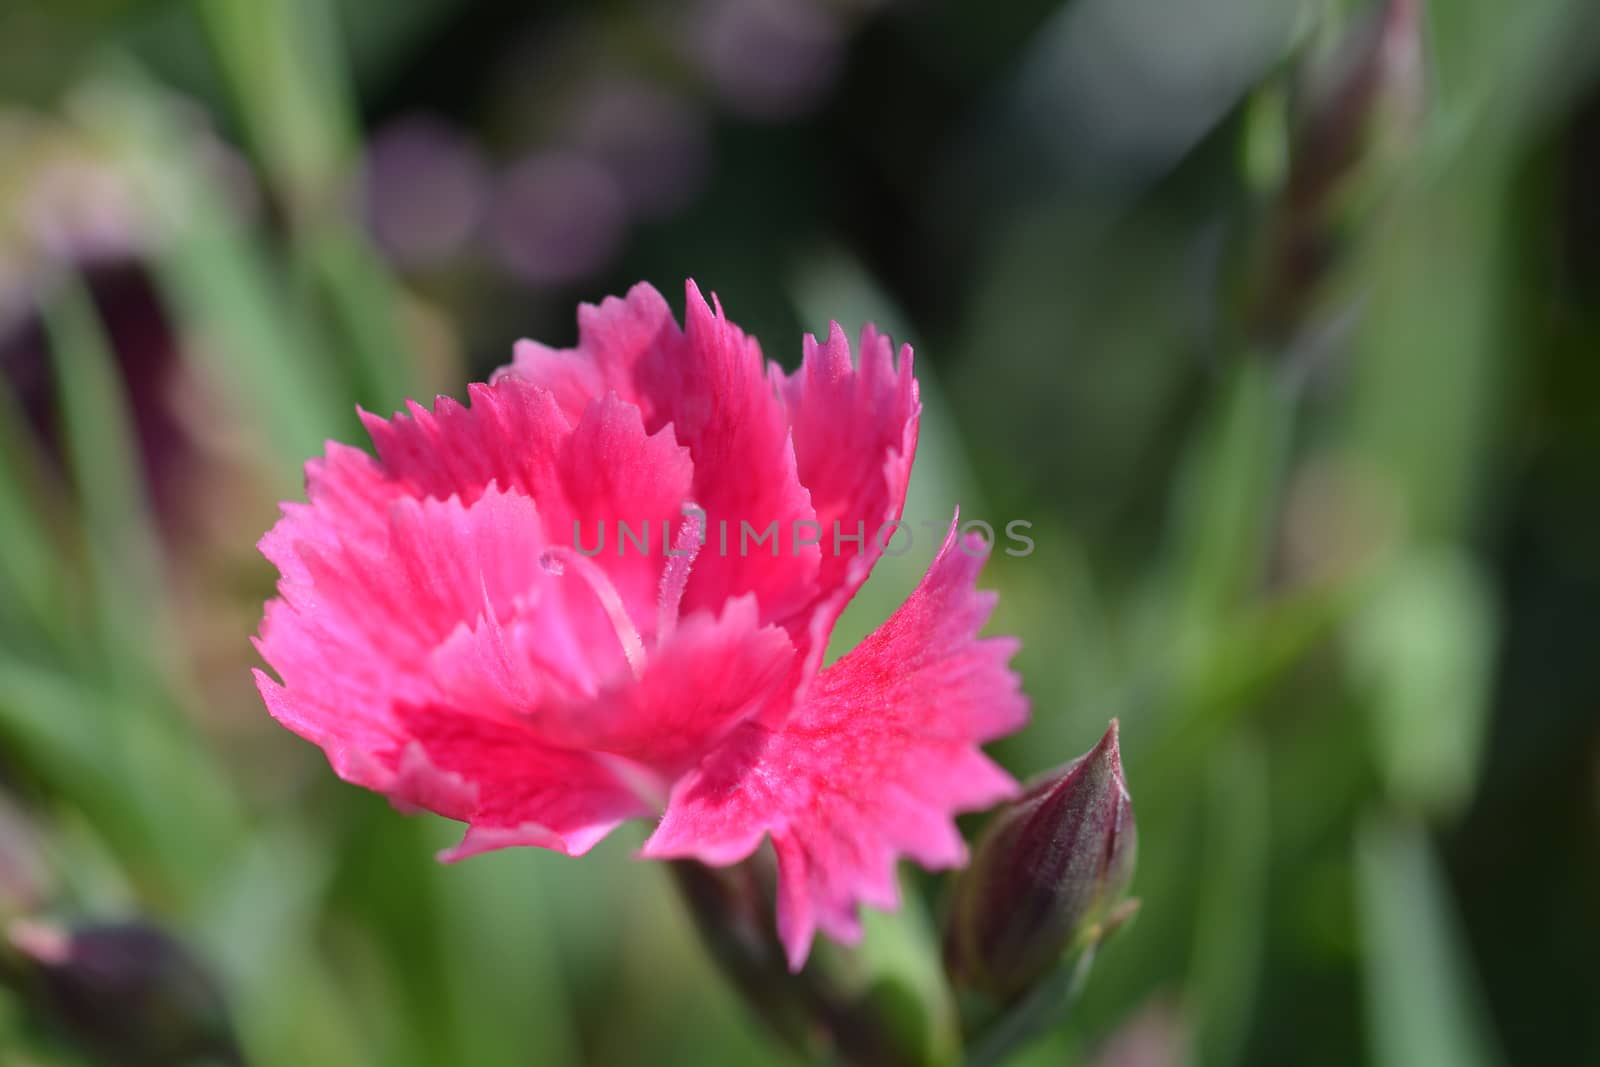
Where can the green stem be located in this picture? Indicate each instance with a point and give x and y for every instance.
(1035, 1014)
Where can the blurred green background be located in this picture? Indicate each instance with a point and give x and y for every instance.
(1278, 319)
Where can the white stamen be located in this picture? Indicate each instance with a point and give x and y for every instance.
(675, 576)
(561, 561)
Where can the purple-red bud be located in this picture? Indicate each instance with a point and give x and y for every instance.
(1048, 870)
(128, 991)
(1358, 116)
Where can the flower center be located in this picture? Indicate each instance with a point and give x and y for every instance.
(560, 560)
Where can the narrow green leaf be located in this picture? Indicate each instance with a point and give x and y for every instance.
(494, 917)
(259, 924)
(243, 326)
(291, 87)
(365, 303)
(33, 570)
(1422, 998)
(284, 63)
(154, 794)
(48, 718)
(1230, 926)
(1226, 499)
(1244, 659)
(103, 453)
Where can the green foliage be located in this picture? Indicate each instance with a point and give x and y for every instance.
(1294, 562)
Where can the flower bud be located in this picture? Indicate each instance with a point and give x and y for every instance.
(1047, 872)
(126, 991)
(1357, 120)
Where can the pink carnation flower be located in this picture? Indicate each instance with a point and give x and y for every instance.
(447, 634)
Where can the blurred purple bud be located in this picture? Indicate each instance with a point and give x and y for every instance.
(655, 142)
(1046, 874)
(768, 59)
(426, 188)
(1356, 118)
(557, 217)
(126, 991)
(1372, 87)
(146, 350)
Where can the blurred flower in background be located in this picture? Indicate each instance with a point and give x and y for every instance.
(78, 220)
(767, 59)
(654, 140)
(557, 217)
(425, 186)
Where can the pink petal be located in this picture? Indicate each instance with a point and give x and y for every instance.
(613, 337)
(358, 619)
(444, 564)
(873, 765)
(712, 674)
(384, 632)
(588, 476)
(376, 623)
(558, 647)
(612, 473)
(348, 500)
(347, 723)
(508, 786)
(855, 435)
(715, 391)
(709, 382)
(509, 435)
